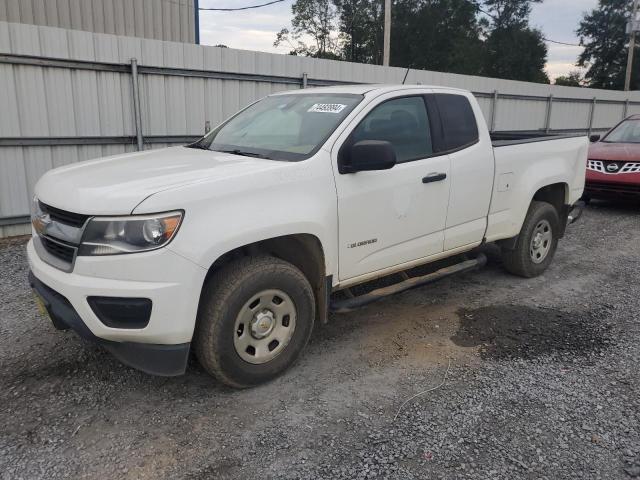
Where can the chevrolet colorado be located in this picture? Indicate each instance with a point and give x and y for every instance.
(234, 245)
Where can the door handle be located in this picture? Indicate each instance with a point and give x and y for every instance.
(434, 177)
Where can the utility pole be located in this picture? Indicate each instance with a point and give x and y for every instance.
(387, 33)
(632, 46)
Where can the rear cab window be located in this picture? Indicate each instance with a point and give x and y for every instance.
(459, 125)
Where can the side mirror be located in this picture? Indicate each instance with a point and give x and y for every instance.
(594, 138)
(368, 155)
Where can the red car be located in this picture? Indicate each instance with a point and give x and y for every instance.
(613, 168)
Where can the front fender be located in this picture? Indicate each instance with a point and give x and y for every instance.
(224, 214)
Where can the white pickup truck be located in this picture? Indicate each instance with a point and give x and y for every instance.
(236, 243)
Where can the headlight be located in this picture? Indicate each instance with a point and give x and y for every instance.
(136, 233)
(38, 218)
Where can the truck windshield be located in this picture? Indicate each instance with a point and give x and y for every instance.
(626, 132)
(282, 127)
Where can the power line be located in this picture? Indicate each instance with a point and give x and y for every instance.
(240, 8)
(544, 38)
(562, 43)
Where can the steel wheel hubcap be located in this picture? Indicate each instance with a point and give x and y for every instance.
(264, 326)
(541, 241)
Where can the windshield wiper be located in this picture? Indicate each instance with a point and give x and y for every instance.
(245, 154)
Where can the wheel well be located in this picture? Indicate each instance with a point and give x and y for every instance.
(302, 250)
(556, 195)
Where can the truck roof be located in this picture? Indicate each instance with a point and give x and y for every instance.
(362, 89)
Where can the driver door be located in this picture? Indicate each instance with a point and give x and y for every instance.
(390, 217)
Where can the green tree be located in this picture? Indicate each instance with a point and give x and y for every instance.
(516, 54)
(513, 50)
(509, 13)
(314, 19)
(441, 35)
(606, 44)
(574, 79)
(361, 30)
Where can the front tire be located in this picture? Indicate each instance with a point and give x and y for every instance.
(255, 318)
(536, 243)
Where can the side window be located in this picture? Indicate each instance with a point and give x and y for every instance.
(404, 123)
(458, 121)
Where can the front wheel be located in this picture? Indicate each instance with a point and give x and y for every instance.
(255, 318)
(536, 243)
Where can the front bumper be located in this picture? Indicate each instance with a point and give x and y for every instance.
(612, 190)
(165, 360)
(162, 346)
(601, 185)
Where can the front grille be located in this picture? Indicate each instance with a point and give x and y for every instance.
(596, 165)
(58, 250)
(62, 216)
(622, 167)
(630, 168)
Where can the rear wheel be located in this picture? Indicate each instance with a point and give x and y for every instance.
(536, 243)
(255, 318)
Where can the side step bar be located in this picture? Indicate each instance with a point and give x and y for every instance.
(350, 304)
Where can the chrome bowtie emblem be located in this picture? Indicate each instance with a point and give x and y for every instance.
(612, 167)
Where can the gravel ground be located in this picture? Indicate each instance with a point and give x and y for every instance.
(506, 378)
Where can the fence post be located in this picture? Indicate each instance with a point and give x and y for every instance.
(626, 109)
(592, 114)
(494, 107)
(136, 104)
(305, 79)
(547, 121)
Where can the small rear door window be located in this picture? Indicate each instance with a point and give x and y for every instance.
(458, 121)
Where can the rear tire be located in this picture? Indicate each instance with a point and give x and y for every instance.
(537, 242)
(255, 318)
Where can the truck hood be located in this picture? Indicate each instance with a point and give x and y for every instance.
(116, 185)
(626, 152)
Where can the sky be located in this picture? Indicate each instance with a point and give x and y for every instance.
(256, 29)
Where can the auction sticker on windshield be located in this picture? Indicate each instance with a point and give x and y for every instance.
(327, 107)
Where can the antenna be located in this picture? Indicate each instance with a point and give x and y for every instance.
(406, 75)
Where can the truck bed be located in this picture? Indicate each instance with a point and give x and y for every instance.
(524, 165)
(503, 139)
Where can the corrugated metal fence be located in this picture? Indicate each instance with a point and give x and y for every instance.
(172, 20)
(67, 96)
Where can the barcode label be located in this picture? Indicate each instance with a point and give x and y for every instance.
(327, 108)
